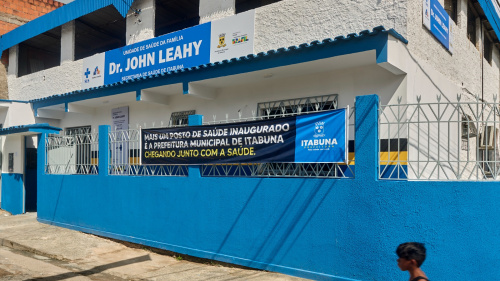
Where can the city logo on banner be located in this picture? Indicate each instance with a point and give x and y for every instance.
(319, 142)
(322, 137)
(319, 129)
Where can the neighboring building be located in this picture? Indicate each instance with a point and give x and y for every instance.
(101, 71)
(14, 13)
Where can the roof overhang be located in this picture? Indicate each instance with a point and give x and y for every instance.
(27, 130)
(491, 10)
(59, 17)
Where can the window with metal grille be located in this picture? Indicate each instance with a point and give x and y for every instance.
(83, 153)
(289, 107)
(180, 118)
(487, 48)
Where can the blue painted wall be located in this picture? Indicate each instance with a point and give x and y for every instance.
(13, 193)
(333, 229)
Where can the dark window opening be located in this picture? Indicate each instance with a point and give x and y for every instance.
(471, 23)
(246, 5)
(488, 49)
(40, 52)
(451, 7)
(290, 107)
(98, 32)
(180, 118)
(11, 162)
(174, 15)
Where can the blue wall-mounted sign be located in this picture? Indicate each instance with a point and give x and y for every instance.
(201, 44)
(437, 20)
(309, 138)
(186, 48)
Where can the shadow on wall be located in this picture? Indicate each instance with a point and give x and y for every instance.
(18, 177)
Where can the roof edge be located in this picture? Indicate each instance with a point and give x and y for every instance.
(58, 17)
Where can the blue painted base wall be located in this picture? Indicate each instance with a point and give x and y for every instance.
(325, 227)
(12, 193)
(333, 229)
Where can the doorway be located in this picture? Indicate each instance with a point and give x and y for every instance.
(30, 174)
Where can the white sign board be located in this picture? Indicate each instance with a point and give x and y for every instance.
(120, 153)
(232, 37)
(93, 71)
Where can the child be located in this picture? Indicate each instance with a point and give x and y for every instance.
(411, 256)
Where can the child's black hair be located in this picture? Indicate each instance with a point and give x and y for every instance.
(412, 251)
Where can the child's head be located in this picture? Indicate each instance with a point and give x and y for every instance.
(411, 251)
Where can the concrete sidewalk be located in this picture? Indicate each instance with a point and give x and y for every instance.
(87, 252)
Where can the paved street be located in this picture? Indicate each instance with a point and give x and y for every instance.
(30, 250)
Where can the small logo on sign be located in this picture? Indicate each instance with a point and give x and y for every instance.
(319, 129)
(222, 40)
(86, 73)
(241, 39)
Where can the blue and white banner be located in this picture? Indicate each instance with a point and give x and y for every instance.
(437, 20)
(210, 42)
(308, 138)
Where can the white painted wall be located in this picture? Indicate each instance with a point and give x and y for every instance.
(293, 22)
(462, 68)
(57, 80)
(19, 114)
(13, 144)
(211, 10)
(141, 21)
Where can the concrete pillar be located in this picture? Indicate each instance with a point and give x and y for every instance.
(104, 150)
(141, 21)
(194, 171)
(462, 13)
(366, 139)
(216, 9)
(479, 35)
(195, 120)
(68, 42)
(13, 61)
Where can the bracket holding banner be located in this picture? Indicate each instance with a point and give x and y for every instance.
(199, 91)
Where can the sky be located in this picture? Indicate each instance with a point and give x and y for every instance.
(64, 1)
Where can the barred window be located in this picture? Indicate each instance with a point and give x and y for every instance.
(180, 118)
(290, 107)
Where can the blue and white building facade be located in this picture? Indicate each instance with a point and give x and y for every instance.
(86, 78)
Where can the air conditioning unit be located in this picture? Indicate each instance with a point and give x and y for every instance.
(488, 137)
